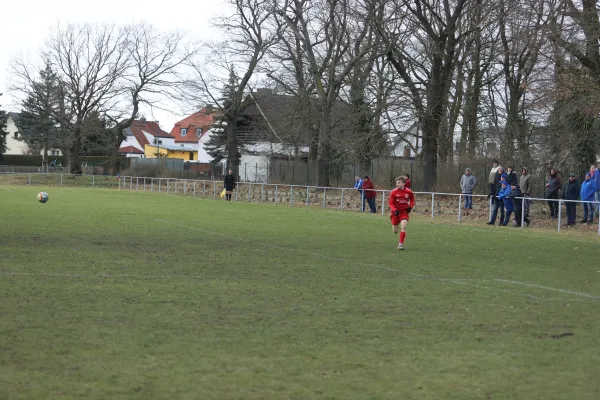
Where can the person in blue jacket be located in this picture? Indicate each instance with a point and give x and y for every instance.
(595, 172)
(587, 194)
(358, 185)
(509, 206)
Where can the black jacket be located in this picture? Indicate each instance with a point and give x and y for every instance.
(517, 202)
(512, 178)
(229, 181)
(571, 191)
(496, 186)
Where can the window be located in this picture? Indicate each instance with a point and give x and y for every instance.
(183, 132)
(191, 156)
(16, 135)
(198, 132)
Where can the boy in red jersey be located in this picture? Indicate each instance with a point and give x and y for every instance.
(401, 202)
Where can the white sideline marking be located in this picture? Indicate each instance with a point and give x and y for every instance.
(68, 275)
(460, 281)
(549, 288)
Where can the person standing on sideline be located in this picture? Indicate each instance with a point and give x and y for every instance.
(370, 194)
(229, 183)
(497, 202)
(492, 177)
(504, 196)
(401, 202)
(524, 182)
(408, 183)
(467, 184)
(358, 185)
(595, 172)
(517, 197)
(552, 188)
(511, 176)
(571, 192)
(587, 194)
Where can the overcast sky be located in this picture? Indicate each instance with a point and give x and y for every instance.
(26, 23)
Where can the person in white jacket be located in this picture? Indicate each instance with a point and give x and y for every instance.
(492, 177)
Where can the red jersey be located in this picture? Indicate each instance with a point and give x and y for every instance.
(407, 184)
(401, 199)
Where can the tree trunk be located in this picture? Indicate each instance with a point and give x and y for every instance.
(323, 160)
(233, 154)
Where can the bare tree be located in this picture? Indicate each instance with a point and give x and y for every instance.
(335, 35)
(249, 33)
(105, 69)
(422, 38)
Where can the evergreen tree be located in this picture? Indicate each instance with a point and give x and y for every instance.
(220, 143)
(98, 138)
(38, 116)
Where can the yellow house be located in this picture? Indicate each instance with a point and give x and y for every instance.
(181, 152)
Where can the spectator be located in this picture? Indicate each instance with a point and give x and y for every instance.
(504, 196)
(595, 171)
(524, 183)
(552, 188)
(516, 194)
(229, 183)
(492, 177)
(370, 194)
(511, 176)
(498, 204)
(407, 184)
(571, 192)
(587, 193)
(467, 184)
(358, 184)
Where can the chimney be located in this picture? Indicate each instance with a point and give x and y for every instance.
(209, 108)
(143, 120)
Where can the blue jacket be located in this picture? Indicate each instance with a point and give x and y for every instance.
(596, 178)
(505, 196)
(358, 185)
(588, 189)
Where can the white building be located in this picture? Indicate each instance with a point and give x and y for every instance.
(16, 139)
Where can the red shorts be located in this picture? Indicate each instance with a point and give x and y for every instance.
(396, 219)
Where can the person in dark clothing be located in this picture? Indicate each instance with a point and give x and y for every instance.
(511, 176)
(370, 194)
(504, 195)
(516, 194)
(552, 188)
(571, 192)
(229, 183)
(497, 202)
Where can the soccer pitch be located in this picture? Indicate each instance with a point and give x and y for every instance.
(125, 295)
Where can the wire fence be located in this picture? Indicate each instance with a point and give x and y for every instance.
(548, 213)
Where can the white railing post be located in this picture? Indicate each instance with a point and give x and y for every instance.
(523, 213)
(559, 213)
(459, 207)
(342, 200)
(137, 183)
(204, 190)
(130, 183)
(144, 184)
(29, 180)
(291, 194)
(185, 187)
(307, 196)
(152, 184)
(324, 197)
(93, 180)
(215, 191)
(61, 180)
(432, 205)
(383, 202)
(262, 192)
(237, 191)
(194, 188)
(276, 193)
(491, 205)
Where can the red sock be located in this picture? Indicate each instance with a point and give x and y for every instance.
(402, 237)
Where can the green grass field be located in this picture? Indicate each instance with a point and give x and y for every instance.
(124, 295)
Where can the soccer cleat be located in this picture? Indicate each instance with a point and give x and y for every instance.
(400, 246)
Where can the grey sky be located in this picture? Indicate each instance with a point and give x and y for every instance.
(26, 24)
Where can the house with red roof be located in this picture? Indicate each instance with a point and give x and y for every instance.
(190, 129)
(139, 134)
